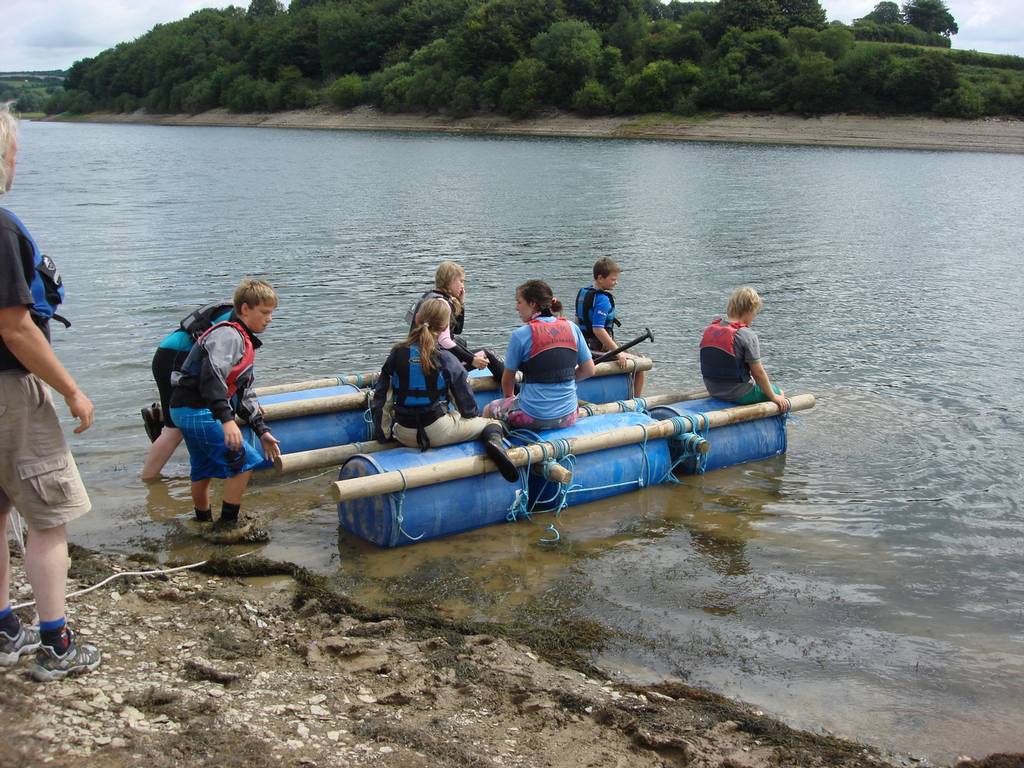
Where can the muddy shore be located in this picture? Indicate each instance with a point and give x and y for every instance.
(250, 663)
(1004, 135)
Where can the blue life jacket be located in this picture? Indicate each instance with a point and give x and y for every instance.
(585, 306)
(47, 286)
(412, 390)
(419, 400)
(718, 358)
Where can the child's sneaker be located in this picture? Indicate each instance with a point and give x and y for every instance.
(152, 417)
(78, 659)
(13, 648)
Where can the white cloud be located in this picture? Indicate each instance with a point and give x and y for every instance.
(53, 34)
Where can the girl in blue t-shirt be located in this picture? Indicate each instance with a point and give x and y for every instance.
(552, 354)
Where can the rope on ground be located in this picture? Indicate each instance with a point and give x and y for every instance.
(121, 574)
(311, 477)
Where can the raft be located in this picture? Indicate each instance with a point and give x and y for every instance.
(402, 496)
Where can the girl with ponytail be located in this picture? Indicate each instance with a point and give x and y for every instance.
(424, 381)
(552, 354)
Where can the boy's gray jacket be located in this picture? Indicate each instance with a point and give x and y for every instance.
(202, 381)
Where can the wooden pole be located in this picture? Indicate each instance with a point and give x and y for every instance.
(357, 400)
(339, 454)
(416, 477)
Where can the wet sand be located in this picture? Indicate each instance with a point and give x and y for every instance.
(253, 663)
(1004, 135)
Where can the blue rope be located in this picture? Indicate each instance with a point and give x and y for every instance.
(400, 518)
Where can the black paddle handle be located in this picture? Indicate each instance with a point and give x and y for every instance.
(628, 345)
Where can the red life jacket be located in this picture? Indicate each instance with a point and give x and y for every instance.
(718, 358)
(248, 354)
(553, 352)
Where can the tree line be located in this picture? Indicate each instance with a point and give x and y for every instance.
(521, 57)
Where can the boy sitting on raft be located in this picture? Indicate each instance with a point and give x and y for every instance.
(596, 316)
(218, 373)
(730, 355)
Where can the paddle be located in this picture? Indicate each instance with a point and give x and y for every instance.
(628, 345)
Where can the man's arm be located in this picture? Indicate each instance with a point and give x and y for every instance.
(29, 345)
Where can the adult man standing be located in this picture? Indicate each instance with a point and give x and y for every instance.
(38, 475)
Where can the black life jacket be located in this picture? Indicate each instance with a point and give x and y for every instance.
(47, 285)
(585, 305)
(419, 399)
(718, 359)
(553, 352)
(199, 321)
(456, 321)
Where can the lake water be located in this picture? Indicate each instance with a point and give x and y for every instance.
(868, 583)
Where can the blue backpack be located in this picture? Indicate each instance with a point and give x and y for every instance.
(47, 285)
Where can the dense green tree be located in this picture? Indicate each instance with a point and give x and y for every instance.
(748, 15)
(930, 16)
(592, 99)
(263, 8)
(886, 12)
(814, 87)
(571, 50)
(527, 86)
(802, 13)
(347, 91)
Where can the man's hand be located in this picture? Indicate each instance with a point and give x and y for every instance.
(271, 446)
(81, 408)
(232, 435)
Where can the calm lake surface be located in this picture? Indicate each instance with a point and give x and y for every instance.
(870, 582)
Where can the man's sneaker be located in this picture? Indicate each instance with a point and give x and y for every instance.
(153, 418)
(78, 659)
(13, 648)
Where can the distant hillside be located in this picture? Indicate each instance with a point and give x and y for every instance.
(520, 57)
(30, 90)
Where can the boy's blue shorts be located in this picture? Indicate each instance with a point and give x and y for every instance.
(204, 436)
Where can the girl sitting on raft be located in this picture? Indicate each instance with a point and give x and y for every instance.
(450, 285)
(552, 354)
(423, 379)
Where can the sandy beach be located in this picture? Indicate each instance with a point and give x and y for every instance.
(1004, 135)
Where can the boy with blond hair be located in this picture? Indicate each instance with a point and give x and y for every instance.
(596, 316)
(730, 355)
(217, 375)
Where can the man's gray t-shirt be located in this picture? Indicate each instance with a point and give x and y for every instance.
(748, 350)
(16, 268)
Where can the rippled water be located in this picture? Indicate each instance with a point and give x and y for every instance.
(869, 582)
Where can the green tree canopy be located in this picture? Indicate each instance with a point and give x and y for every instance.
(930, 16)
(885, 12)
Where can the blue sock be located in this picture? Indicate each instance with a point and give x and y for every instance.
(52, 633)
(9, 623)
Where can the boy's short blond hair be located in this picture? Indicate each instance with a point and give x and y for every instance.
(254, 293)
(604, 267)
(742, 301)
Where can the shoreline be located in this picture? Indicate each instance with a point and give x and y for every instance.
(997, 135)
(223, 666)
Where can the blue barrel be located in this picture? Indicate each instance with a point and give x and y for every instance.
(605, 473)
(733, 443)
(423, 513)
(323, 430)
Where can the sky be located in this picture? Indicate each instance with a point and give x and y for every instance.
(53, 34)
